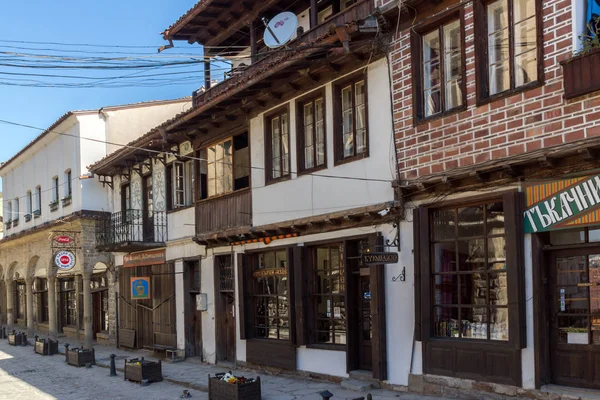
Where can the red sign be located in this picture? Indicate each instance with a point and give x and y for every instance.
(63, 239)
(64, 260)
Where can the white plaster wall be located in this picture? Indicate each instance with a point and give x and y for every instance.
(312, 195)
(126, 124)
(209, 350)
(92, 134)
(181, 223)
(179, 305)
(322, 361)
(527, 354)
(49, 157)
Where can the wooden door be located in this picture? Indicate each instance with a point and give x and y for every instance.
(148, 209)
(225, 308)
(363, 298)
(575, 317)
(193, 316)
(3, 310)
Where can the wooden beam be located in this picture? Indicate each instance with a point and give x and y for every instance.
(253, 42)
(223, 24)
(249, 15)
(511, 170)
(481, 176)
(588, 154)
(314, 14)
(220, 5)
(209, 15)
(546, 162)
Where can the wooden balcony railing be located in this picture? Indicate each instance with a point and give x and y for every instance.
(230, 211)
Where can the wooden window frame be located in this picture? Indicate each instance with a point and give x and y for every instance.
(268, 146)
(482, 52)
(300, 104)
(441, 356)
(125, 208)
(220, 141)
(41, 297)
(338, 147)
(417, 67)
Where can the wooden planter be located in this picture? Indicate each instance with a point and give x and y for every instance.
(139, 370)
(17, 339)
(581, 75)
(46, 347)
(222, 390)
(80, 357)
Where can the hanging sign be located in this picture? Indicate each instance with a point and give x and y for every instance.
(64, 260)
(379, 258)
(562, 204)
(63, 239)
(144, 258)
(140, 288)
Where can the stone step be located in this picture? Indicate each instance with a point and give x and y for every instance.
(356, 385)
(571, 393)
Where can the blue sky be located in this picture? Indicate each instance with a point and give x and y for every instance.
(113, 22)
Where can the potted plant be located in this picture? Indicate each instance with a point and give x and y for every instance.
(580, 73)
(17, 339)
(79, 357)
(138, 370)
(8, 224)
(66, 200)
(15, 222)
(53, 205)
(45, 347)
(229, 387)
(37, 213)
(27, 217)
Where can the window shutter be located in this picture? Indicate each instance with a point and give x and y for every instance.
(515, 241)
(424, 267)
(378, 317)
(299, 290)
(242, 267)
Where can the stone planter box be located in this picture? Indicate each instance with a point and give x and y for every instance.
(581, 75)
(222, 390)
(46, 347)
(80, 357)
(17, 339)
(138, 370)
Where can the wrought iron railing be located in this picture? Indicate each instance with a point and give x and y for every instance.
(131, 226)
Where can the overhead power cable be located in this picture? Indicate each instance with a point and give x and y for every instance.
(188, 157)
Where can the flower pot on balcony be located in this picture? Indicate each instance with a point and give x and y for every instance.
(79, 357)
(237, 388)
(66, 201)
(53, 206)
(138, 370)
(581, 75)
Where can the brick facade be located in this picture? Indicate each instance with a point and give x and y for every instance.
(534, 119)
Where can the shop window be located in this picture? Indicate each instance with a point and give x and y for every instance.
(68, 301)
(351, 134)
(330, 296)
(439, 80)
(512, 46)
(469, 272)
(311, 133)
(224, 167)
(20, 300)
(270, 296)
(277, 145)
(40, 296)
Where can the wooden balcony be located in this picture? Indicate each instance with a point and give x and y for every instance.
(225, 212)
(581, 74)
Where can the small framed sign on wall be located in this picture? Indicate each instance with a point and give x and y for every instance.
(140, 288)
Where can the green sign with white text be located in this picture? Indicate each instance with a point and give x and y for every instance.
(565, 204)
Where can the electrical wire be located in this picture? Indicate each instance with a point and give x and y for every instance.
(170, 153)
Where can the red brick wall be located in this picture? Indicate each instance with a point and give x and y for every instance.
(523, 122)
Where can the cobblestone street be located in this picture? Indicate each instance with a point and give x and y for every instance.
(26, 375)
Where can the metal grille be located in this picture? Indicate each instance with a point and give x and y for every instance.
(131, 226)
(225, 274)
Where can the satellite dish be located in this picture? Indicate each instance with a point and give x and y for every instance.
(280, 29)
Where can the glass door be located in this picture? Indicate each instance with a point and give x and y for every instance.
(575, 318)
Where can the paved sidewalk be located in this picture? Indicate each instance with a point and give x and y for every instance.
(194, 375)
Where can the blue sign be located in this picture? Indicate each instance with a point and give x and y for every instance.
(140, 288)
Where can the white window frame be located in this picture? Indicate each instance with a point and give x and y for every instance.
(55, 193)
(68, 184)
(29, 205)
(9, 211)
(16, 209)
(38, 200)
(182, 183)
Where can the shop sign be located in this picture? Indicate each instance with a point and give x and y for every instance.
(63, 239)
(140, 288)
(562, 204)
(264, 273)
(153, 257)
(379, 258)
(64, 260)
